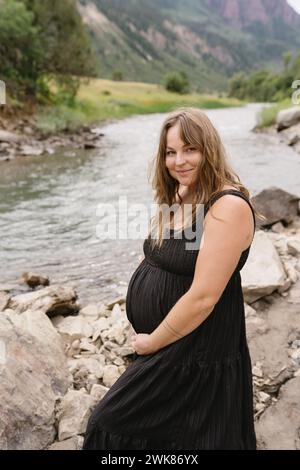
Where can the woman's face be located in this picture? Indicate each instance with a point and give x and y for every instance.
(181, 159)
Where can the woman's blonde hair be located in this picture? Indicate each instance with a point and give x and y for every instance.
(214, 170)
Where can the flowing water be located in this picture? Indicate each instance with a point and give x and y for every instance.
(48, 204)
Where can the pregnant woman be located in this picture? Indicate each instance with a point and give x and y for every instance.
(190, 385)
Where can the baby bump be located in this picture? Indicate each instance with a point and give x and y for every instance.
(151, 294)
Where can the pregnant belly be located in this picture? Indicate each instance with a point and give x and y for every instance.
(151, 294)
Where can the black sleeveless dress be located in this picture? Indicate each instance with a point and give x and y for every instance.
(195, 393)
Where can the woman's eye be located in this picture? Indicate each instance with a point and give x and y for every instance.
(191, 149)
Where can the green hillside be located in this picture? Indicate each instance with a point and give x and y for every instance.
(144, 40)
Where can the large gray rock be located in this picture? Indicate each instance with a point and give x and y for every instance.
(288, 117)
(278, 427)
(291, 135)
(33, 375)
(276, 205)
(53, 300)
(263, 272)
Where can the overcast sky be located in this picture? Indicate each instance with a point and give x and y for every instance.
(295, 4)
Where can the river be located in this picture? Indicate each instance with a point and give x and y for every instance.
(48, 204)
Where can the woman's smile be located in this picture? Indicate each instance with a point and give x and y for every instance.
(183, 172)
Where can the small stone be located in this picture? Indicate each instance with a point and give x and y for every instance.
(286, 285)
(4, 298)
(249, 311)
(73, 413)
(122, 369)
(260, 406)
(76, 344)
(74, 327)
(35, 279)
(256, 370)
(118, 361)
(118, 300)
(293, 295)
(124, 351)
(264, 397)
(296, 354)
(98, 391)
(110, 374)
(293, 245)
(90, 311)
(85, 345)
(278, 227)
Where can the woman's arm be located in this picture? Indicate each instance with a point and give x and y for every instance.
(217, 259)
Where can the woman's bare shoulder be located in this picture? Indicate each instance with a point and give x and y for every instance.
(237, 212)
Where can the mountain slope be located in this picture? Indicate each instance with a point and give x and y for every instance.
(208, 39)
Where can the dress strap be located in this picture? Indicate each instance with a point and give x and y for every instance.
(234, 192)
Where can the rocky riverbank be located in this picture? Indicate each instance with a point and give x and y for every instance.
(20, 138)
(59, 358)
(286, 127)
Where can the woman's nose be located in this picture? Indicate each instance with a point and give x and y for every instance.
(179, 159)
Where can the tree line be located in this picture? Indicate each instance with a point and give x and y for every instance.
(43, 45)
(267, 86)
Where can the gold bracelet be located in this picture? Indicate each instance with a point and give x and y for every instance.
(175, 332)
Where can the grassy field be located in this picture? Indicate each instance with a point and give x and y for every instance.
(102, 100)
(267, 116)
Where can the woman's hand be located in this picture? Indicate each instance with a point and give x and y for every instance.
(142, 343)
